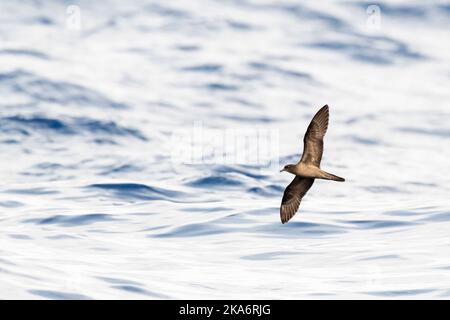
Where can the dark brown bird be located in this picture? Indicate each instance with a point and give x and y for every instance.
(308, 168)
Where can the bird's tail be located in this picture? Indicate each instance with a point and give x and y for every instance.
(329, 176)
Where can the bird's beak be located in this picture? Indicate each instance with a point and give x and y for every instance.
(282, 170)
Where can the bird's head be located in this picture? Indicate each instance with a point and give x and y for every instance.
(289, 168)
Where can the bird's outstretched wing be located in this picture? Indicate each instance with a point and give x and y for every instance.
(293, 196)
(313, 140)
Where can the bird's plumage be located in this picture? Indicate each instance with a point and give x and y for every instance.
(313, 139)
(293, 196)
(308, 168)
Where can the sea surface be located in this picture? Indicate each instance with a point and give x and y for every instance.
(110, 188)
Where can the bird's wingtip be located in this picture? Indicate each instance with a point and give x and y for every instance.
(325, 108)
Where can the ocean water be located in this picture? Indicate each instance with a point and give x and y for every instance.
(111, 188)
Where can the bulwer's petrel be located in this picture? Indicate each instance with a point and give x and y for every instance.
(308, 168)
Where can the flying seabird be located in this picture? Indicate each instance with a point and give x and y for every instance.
(308, 168)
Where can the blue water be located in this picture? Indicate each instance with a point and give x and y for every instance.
(95, 205)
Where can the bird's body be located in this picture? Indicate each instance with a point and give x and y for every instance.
(311, 171)
(308, 168)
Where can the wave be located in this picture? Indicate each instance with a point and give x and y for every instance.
(266, 67)
(138, 191)
(192, 230)
(58, 295)
(27, 125)
(380, 224)
(204, 68)
(214, 181)
(399, 293)
(26, 53)
(376, 50)
(40, 89)
(73, 220)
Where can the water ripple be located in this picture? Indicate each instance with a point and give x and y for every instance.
(192, 230)
(25, 52)
(138, 191)
(400, 293)
(73, 221)
(74, 126)
(379, 224)
(58, 295)
(41, 89)
(214, 181)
